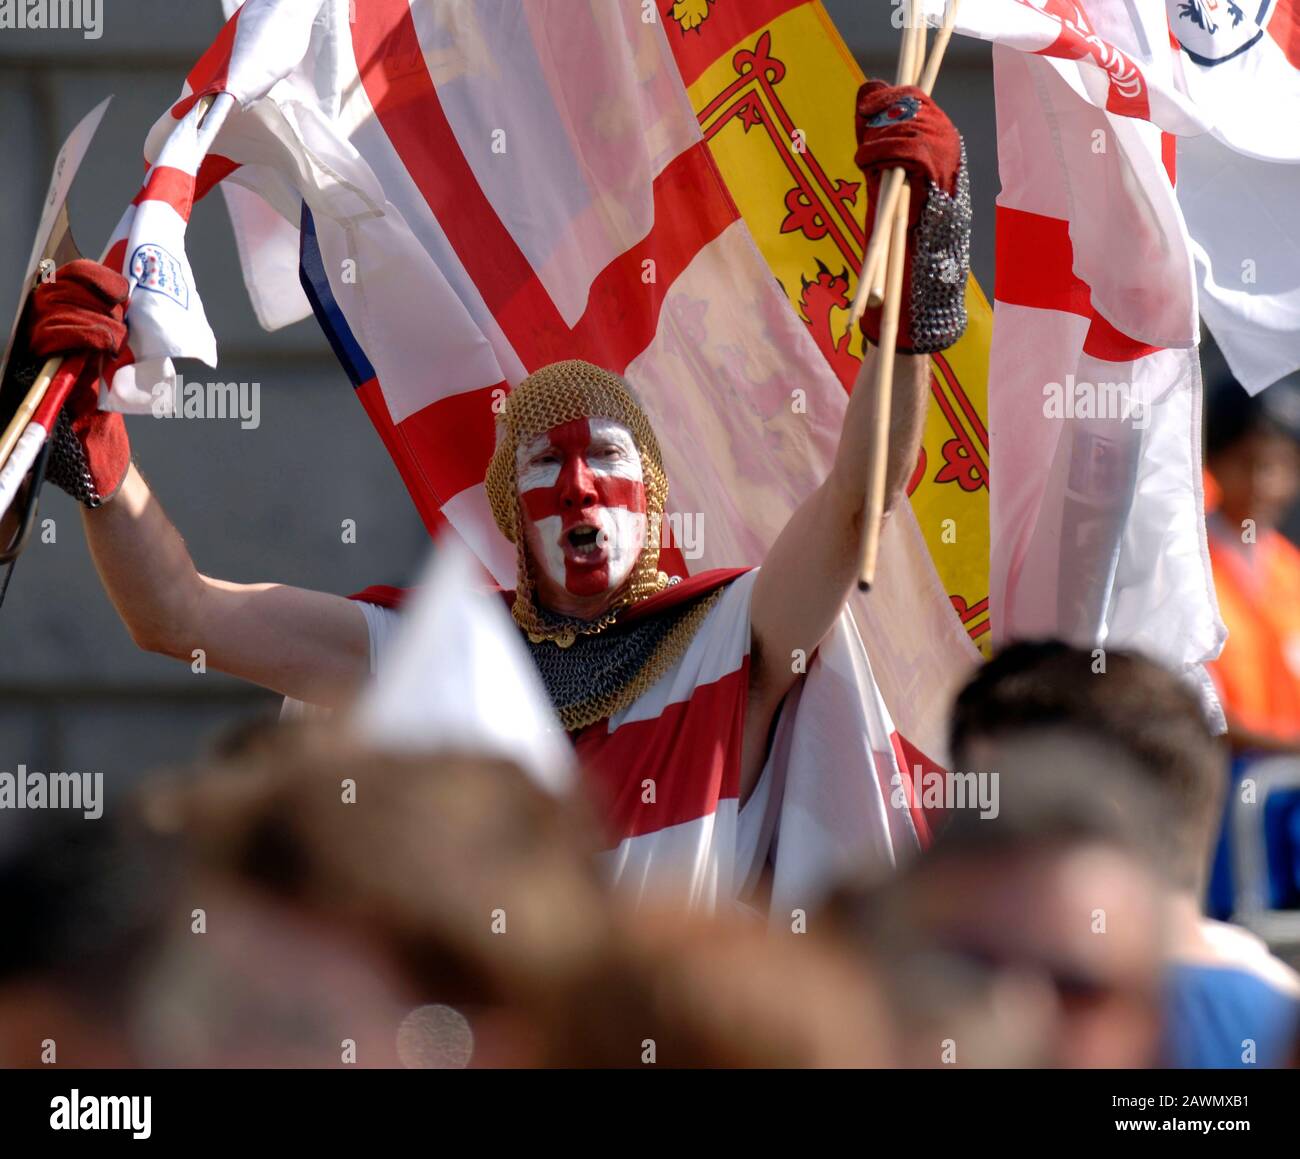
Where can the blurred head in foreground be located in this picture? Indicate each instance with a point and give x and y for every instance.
(1228, 1000)
(1029, 939)
(1051, 689)
(370, 908)
(464, 904)
(308, 904)
(83, 906)
(688, 991)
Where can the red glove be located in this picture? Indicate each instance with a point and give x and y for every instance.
(81, 310)
(898, 126)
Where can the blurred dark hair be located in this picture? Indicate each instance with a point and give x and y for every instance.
(1145, 711)
(83, 902)
(1045, 803)
(1232, 414)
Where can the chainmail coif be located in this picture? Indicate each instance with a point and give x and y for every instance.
(589, 676)
(556, 394)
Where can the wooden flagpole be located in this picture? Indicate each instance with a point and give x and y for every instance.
(871, 282)
(890, 239)
(882, 391)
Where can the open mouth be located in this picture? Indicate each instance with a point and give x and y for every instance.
(584, 541)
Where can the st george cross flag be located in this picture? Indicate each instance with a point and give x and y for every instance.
(164, 312)
(485, 187)
(1097, 526)
(1231, 94)
(165, 315)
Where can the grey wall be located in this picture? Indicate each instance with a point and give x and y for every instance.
(253, 505)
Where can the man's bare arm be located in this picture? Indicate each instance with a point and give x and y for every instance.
(813, 565)
(811, 569)
(308, 645)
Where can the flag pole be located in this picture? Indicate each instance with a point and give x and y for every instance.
(891, 226)
(941, 38)
(911, 61)
(871, 282)
(27, 408)
(882, 391)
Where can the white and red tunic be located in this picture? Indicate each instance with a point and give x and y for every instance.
(665, 771)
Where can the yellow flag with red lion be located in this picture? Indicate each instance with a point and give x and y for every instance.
(773, 86)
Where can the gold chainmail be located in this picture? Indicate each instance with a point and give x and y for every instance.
(555, 394)
(560, 393)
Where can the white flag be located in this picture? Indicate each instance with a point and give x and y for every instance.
(458, 677)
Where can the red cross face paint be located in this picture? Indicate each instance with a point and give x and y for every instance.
(583, 500)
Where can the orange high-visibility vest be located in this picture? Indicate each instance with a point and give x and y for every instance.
(1258, 674)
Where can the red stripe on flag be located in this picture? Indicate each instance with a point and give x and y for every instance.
(173, 186)
(1110, 345)
(1127, 95)
(691, 207)
(1035, 263)
(426, 501)
(1284, 27)
(450, 441)
(213, 67)
(910, 759)
(214, 169)
(116, 256)
(391, 63)
(1169, 155)
(726, 25)
(179, 190)
(691, 751)
(1035, 268)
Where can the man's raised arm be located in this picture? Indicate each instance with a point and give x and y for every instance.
(308, 645)
(811, 569)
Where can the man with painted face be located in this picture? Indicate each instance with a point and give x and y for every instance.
(672, 691)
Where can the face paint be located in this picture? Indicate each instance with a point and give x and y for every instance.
(584, 504)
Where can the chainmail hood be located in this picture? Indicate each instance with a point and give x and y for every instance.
(559, 393)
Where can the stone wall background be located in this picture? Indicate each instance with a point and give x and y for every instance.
(264, 504)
